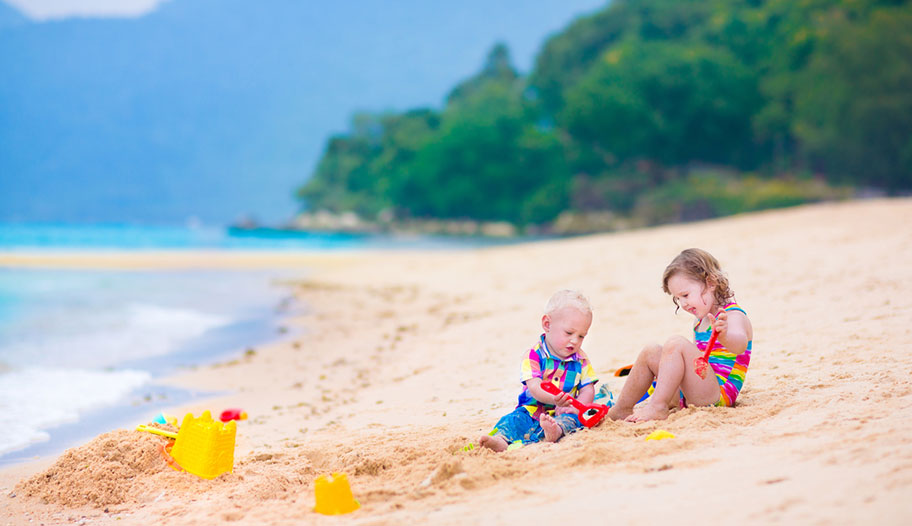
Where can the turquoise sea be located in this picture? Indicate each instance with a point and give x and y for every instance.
(82, 351)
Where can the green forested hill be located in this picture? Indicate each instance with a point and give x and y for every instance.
(654, 109)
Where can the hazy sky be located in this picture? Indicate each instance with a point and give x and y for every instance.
(44, 9)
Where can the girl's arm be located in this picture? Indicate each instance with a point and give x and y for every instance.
(734, 330)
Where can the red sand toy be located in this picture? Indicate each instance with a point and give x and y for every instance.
(702, 362)
(233, 414)
(589, 414)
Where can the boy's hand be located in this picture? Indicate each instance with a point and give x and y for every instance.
(562, 400)
(568, 409)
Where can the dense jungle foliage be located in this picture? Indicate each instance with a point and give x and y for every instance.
(659, 110)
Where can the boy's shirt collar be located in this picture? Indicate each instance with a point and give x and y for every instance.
(575, 357)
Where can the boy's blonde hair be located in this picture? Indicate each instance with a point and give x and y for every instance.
(568, 298)
(699, 265)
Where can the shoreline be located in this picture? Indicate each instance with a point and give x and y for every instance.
(257, 319)
(405, 357)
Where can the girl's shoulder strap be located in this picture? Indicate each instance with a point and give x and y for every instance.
(734, 306)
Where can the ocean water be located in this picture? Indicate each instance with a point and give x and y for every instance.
(142, 237)
(39, 237)
(77, 344)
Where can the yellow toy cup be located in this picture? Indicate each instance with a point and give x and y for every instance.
(334, 495)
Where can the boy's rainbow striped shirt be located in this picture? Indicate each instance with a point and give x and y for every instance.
(573, 373)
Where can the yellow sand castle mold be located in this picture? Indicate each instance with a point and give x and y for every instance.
(334, 495)
(205, 447)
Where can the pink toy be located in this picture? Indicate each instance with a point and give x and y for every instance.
(233, 414)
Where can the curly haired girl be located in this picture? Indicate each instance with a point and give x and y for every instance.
(696, 284)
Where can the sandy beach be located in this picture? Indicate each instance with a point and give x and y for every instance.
(401, 358)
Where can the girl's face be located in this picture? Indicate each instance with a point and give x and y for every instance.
(565, 329)
(691, 295)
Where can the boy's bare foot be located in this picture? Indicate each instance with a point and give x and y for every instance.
(648, 412)
(553, 430)
(495, 443)
(619, 413)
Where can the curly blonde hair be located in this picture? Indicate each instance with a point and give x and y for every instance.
(699, 265)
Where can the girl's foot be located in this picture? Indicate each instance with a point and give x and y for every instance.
(553, 430)
(495, 443)
(648, 412)
(619, 413)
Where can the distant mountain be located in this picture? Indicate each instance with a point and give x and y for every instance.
(216, 109)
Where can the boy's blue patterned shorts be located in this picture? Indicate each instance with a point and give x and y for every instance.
(519, 425)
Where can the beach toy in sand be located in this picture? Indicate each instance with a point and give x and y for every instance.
(701, 363)
(233, 414)
(165, 419)
(659, 434)
(623, 371)
(205, 447)
(156, 431)
(334, 495)
(589, 414)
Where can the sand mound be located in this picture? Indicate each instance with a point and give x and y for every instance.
(126, 469)
(111, 469)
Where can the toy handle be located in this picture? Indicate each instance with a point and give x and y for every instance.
(550, 388)
(701, 363)
(589, 415)
(710, 344)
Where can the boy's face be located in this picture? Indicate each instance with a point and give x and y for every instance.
(565, 329)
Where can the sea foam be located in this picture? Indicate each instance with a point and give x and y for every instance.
(35, 399)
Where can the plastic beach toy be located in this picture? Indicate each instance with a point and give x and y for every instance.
(334, 495)
(659, 434)
(205, 447)
(165, 419)
(233, 414)
(589, 414)
(156, 431)
(701, 363)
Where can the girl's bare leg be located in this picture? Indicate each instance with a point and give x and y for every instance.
(638, 381)
(675, 373)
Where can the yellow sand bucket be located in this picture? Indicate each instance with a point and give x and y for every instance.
(334, 495)
(205, 447)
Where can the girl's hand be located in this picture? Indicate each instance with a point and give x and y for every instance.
(719, 323)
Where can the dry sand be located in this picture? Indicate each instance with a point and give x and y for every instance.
(408, 356)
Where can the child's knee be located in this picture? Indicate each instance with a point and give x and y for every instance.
(675, 344)
(650, 351)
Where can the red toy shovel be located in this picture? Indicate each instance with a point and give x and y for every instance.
(702, 362)
(589, 414)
